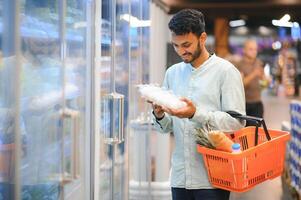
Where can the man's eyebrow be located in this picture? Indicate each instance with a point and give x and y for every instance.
(184, 43)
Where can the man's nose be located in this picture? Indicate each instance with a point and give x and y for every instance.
(181, 51)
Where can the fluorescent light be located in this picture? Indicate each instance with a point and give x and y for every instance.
(134, 21)
(282, 23)
(236, 23)
(285, 18)
(264, 30)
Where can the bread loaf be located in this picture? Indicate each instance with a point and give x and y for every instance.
(220, 141)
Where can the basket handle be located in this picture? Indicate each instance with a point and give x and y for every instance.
(259, 122)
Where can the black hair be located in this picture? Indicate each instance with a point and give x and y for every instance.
(186, 21)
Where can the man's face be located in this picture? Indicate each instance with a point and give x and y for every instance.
(187, 46)
(250, 49)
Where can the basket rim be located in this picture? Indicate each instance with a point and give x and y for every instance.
(279, 139)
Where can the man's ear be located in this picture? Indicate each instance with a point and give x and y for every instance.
(203, 37)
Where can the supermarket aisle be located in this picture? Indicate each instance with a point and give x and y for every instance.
(276, 111)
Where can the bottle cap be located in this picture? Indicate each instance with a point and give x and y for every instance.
(236, 146)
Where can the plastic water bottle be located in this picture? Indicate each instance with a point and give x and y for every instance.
(236, 148)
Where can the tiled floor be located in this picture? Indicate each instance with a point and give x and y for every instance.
(276, 111)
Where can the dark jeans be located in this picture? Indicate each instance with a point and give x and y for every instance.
(255, 110)
(199, 194)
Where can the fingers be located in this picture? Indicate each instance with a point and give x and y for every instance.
(186, 100)
(168, 110)
(158, 110)
(184, 112)
(258, 71)
(176, 112)
(157, 107)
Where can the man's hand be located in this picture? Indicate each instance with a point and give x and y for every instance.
(158, 110)
(258, 72)
(185, 112)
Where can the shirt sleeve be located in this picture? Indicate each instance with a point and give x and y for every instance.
(232, 99)
(165, 124)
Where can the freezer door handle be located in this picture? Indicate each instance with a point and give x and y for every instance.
(73, 117)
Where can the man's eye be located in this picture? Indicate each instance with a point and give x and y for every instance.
(186, 45)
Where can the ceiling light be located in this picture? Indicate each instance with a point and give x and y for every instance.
(285, 18)
(264, 30)
(236, 23)
(241, 30)
(281, 23)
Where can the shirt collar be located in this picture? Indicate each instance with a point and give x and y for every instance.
(203, 65)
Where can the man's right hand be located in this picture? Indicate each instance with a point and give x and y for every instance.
(258, 72)
(158, 110)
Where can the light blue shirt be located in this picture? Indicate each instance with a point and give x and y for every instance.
(214, 87)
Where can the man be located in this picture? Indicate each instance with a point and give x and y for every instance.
(252, 72)
(210, 86)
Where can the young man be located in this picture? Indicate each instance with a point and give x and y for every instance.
(251, 70)
(210, 86)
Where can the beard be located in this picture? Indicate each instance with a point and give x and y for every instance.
(193, 56)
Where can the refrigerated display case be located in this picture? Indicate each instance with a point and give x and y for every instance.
(113, 100)
(54, 118)
(145, 155)
(44, 88)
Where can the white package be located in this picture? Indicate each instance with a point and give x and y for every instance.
(160, 96)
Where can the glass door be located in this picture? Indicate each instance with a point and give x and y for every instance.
(44, 100)
(76, 112)
(114, 73)
(9, 109)
(141, 160)
(41, 96)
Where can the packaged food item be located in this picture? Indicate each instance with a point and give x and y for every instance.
(220, 141)
(160, 96)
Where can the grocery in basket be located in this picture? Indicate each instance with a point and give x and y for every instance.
(239, 172)
(214, 140)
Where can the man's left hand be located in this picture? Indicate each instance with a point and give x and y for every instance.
(185, 112)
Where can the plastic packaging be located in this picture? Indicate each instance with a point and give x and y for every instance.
(236, 148)
(160, 96)
(220, 141)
